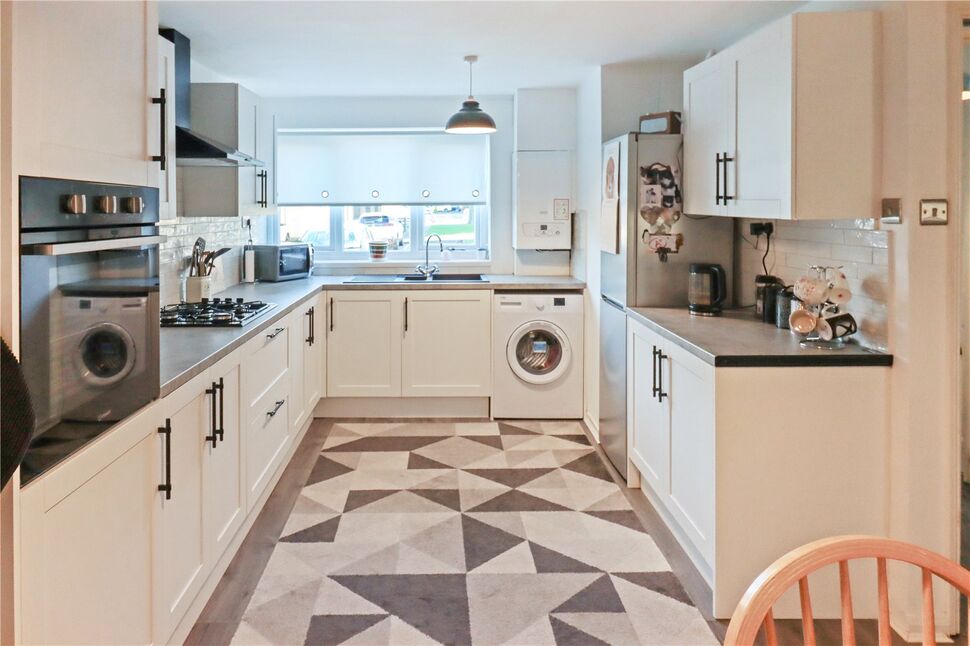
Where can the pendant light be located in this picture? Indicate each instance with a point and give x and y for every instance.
(470, 120)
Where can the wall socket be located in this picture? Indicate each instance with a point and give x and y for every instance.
(933, 211)
(761, 228)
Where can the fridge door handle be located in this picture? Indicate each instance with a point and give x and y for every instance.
(614, 303)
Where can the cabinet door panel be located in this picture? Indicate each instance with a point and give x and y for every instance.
(364, 344)
(760, 176)
(167, 204)
(707, 94)
(89, 556)
(180, 547)
(448, 344)
(691, 388)
(313, 368)
(267, 438)
(224, 490)
(650, 437)
(299, 349)
(81, 102)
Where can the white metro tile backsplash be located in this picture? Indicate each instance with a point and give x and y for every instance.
(176, 252)
(855, 245)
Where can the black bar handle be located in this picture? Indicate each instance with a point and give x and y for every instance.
(660, 375)
(279, 404)
(654, 389)
(275, 333)
(405, 313)
(265, 188)
(717, 178)
(167, 432)
(726, 197)
(162, 102)
(213, 436)
(221, 387)
(309, 338)
(331, 313)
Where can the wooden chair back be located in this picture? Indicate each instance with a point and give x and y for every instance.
(754, 610)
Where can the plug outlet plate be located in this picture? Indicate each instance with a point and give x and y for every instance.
(761, 228)
(933, 211)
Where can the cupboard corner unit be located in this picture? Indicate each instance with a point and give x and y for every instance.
(409, 343)
(745, 464)
(786, 123)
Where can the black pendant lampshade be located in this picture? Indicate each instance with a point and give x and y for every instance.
(471, 119)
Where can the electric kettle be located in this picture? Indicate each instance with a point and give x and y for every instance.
(706, 289)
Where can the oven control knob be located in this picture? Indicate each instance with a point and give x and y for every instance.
(134, 204)
(107, 204)
(76, 203)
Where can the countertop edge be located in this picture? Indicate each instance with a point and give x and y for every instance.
(204, 363)
(808, 360)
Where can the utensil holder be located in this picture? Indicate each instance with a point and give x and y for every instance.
(197, 288)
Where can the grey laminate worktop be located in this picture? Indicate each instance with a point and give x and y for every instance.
(737, 339)
(186, 352)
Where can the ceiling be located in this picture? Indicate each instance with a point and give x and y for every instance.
(402, 48)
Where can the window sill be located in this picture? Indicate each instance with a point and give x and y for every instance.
(396, 264)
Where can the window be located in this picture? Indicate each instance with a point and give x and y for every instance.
(342, 232)
(341, 190)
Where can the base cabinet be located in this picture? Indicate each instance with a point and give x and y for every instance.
(180, 545)
(413, 343)
(86, 544)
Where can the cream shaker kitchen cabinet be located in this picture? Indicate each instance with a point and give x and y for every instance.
(180, 540)
(648, 412)
(86, 542)
(307, 354)
(785, 124)
(266, 402)
(167, 202)
(315, 367)
(447, 343)
(82, 104)
(364, 339)
(225, 491)
(266, 152)
(227, 113)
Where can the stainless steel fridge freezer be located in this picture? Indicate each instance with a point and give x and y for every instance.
(636, 276)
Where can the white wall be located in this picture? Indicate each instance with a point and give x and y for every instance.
(420, 112)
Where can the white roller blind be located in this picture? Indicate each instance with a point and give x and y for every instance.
(329, 168)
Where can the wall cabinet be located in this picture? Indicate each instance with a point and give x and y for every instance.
(167, 202)
(86, 543)
(81, 105)
(364, 338)
(229, 114)
(786, 123)
(411, 343)
(446, 347)
(266, 152)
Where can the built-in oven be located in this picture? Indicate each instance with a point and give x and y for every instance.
(88, 310)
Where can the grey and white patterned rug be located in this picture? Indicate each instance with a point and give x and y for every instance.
(466, 533)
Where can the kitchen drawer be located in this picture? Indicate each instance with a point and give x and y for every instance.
(267, 436)
(266, 360)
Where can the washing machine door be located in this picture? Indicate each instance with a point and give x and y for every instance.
(105, 355)
(538, 352)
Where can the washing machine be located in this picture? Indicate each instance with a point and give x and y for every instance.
(537, 365)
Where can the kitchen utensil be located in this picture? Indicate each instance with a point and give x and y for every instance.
(802, 321)
(783, 306)
(823, 328)
(706, 288)
(811, 291)
(842, 325)
(763, 285)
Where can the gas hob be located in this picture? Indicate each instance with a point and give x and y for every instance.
(215, 312)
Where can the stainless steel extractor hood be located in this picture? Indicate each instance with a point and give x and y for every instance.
(192, 148)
